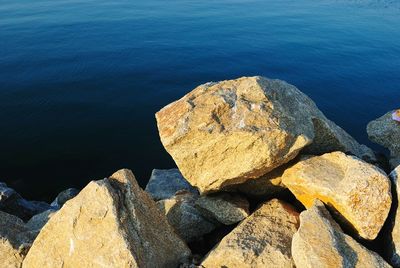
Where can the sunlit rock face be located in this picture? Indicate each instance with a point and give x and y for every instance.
(320, 242)
(110, 223)
(359, 193)
(232, 131)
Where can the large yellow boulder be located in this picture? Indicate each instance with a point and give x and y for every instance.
(229, 132)
(357, 192)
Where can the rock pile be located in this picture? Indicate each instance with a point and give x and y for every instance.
(264, 180)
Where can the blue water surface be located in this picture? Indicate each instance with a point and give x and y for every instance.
(80, 80)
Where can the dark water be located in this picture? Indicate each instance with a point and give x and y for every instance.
(80, 80)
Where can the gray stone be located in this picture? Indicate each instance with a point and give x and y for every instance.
(187, 220)
(64, 196)
(14, 204)
(223, 207)
(15, 241)
(36, 223)
(386, 132)
(164, 183)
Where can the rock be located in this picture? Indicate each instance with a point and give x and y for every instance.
(359, 193)
(182, 214)
(320, 242)
(64, 196)
(261, 240)
(164, 183)
(13, 203)
(386, 132)
(36, 223)
(110, 223)
(223, 207)
(15, 240)
(394, 234)
(266, 187)
(229, 132)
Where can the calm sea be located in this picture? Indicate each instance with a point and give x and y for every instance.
(80, 80)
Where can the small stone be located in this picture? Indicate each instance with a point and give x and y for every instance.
(357, 192)
(164, 183)
(187, 220)
(320, 242)
(64, 196)
(261, 240)
(110, 223)
(223, 207)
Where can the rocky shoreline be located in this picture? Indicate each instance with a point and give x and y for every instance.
(264, 179)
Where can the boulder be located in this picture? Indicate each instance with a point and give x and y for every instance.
(357, 192)
(182, 214)
(261, 240)
(320, 242)
(386, 132)
(164, 183)
(110, 223)
(12, 203)
(64, 196)
(223, 207)
(229, 132)
(394, 234)
(15, 240)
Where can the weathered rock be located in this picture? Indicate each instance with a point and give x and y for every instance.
(266, 187)
(12, 203)
(261, 240)
(64, 196)
(15, 240)
(386, 132)
(182, 214)
(320, 242)
(223, 207)
(229, 132)
(164, 183)
(394, 234)
(110, 223)
(36, 223)
(359, 193)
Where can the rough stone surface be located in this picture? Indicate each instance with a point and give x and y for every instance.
(110, 223)
(164, 183)
(359, 193)
(266, 187)
(256, 122)
(386, 132)
(182, 214)
(223, 207)
(36, 223)
(64, 196)
(12, 203)
(394, 234)
(261, 240)
(15, 240)
(321, 243)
